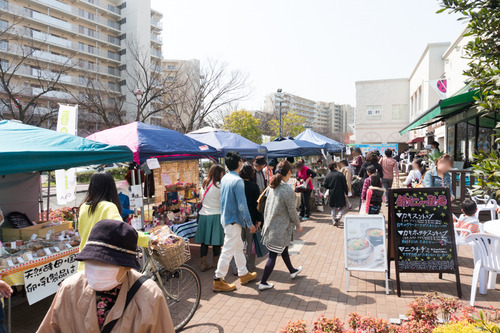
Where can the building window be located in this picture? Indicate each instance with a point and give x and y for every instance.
(399, 111)
(4, 5)
(81, 46)
(111, 70)
(4, 24)
(91, 49)
(4, 64)
(91, 16)
(81, 80)
(112, 86)
(170, 67)
(81, 29)
(91, 33)
(112, 55)
(4, 45)
(81, 12)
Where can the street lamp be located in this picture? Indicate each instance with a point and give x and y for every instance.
(279, 92)
(138, 96)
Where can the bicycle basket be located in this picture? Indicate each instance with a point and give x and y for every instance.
(172, 256)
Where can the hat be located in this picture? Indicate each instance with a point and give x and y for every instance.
(273, 162)
(112, 242)
(260, 160)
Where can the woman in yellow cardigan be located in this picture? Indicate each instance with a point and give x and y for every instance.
(101, 203)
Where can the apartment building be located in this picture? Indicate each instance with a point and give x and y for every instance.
(326, 117)
(349, 119)
(381, 111)
(77, 42)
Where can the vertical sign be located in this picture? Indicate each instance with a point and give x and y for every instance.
(66, 179)
(423, 232)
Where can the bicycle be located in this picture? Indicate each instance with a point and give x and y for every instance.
(181, 287)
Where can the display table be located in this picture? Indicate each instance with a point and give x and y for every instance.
(186, 229)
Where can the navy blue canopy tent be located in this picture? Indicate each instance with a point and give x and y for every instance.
(287, 147)
(330, 145)
(226, 141)
(147, 141)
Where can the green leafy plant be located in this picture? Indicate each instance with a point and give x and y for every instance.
(292, 125)
(487, 172)
(434, 156)
(243, 123)
(324, 325)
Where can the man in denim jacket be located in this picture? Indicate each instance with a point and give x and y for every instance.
(234, 217)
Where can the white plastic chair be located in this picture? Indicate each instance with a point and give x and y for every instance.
(486, 259)
(459, 238)
(484, 203)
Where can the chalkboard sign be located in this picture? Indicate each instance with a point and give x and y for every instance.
(422, 232)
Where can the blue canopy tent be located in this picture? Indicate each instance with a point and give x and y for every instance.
(148, 141)
(330, 145)
(226, 141)
(25, 148)
(285, 147)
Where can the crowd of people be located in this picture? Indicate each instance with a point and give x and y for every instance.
(246, 212)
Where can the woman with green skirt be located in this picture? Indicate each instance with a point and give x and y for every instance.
(210, 230)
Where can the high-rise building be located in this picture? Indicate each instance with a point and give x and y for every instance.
(349, 119)
(90, 39)
(327, 117)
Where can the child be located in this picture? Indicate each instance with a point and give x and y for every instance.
(374, 195)
(468, 219)
(370, 170)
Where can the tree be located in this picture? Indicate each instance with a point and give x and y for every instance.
(243, 123)
(484, 74)
(27, 99)
(292, 125)
(104, 105)
(203, 97)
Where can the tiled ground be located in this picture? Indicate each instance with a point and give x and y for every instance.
(319, 290)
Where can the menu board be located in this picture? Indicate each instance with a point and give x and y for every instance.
(423, 232)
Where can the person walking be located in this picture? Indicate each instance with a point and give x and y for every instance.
(440, 175)
(252, 194)
(305, 175)
(346, 170)
(210, 230)
(259, 164)
(110, 295)
(389, 167)
(101, 203)
(336, 184)
(358, 160)
(234, 217)
(280, 218)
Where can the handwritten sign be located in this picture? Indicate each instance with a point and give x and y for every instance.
(43, 281)
(423, 231)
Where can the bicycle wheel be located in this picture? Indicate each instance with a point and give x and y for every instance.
(183, 287)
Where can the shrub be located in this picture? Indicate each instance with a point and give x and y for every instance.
(299, 326)
(117, 173)
(360, 324)
(323, 325)
(456, 327)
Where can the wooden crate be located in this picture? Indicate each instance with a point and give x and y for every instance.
(10, 234)
(184, 171)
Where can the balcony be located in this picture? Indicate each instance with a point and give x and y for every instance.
(156, 38)
(157, 24)
(156, 53)
(56, 4)
(50, 20)
(46, 38)
(52, 94)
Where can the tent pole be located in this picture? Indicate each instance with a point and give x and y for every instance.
(48, 197)
(40, 197)
(142, 194)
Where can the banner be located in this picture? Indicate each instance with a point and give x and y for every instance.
(440, 87)
(66, 179)
(380, 147)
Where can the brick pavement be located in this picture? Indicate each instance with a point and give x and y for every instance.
(320, 289)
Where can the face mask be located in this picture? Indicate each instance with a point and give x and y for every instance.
(101, 278)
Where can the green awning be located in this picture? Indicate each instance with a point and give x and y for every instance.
(442, 110)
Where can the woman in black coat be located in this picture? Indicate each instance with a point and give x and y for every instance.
(336, 184)
(371, 159)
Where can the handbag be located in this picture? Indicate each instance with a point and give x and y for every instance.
(302, 188)
(260, 250)
(199, 206)
(420, 185)
(261, 201)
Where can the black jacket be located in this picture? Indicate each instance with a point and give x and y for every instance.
(378, 167)
(252, 193)
(336, 184)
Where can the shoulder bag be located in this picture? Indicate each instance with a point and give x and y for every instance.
(261, 201)
(130, 294)
(200, 204)
(420, 184)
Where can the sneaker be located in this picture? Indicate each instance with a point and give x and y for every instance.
(336, 222)
(294, 275)
(221, 285)
(305, 218)
(250, 276)
(266, 286)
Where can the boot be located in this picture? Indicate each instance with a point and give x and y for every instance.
(248, 277)
(204, 266)
(221, 285)
(215, 261)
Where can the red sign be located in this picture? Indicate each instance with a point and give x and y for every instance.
(18, 101)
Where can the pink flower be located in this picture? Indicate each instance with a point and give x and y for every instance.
(101, 305)
(100, 312)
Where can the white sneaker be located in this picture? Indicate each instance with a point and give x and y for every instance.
(294, 275)
(265, 286)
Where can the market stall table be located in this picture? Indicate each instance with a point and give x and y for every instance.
(492, 227)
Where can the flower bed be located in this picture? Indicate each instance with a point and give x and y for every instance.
(429, 314)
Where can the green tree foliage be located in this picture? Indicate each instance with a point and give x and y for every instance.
(292, 125)
(484, 74)
(243, 123)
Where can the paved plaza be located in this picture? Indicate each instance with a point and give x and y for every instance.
(320, 289)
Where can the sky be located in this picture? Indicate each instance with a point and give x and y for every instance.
(316, 49)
